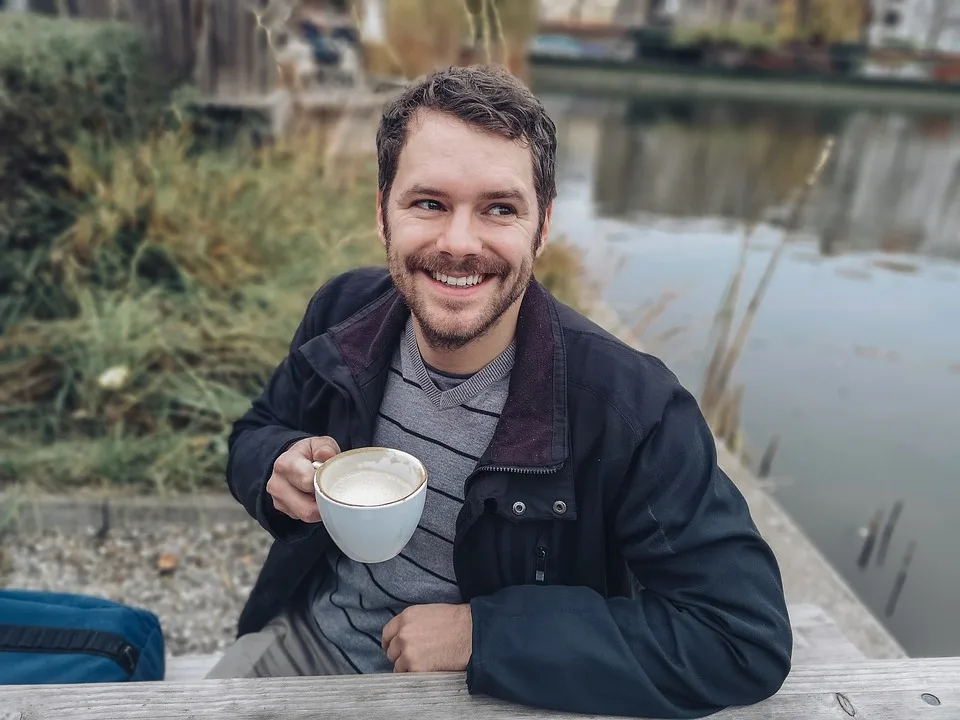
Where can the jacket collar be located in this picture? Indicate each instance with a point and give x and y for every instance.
(532, 432)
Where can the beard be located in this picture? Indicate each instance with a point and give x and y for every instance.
(445, 323)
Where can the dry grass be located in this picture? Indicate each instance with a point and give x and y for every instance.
(720, 399)
(180, 280)
(423, 35)
(187, 274)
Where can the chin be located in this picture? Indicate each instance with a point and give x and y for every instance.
(459, 326)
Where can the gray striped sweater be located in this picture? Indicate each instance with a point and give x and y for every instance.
(447, 422)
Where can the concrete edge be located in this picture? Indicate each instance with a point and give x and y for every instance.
(824, 585)
(32, 512)
(600, 78)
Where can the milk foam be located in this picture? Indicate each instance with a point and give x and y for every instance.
(368, 487)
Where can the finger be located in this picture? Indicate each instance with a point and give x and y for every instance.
(304, 507)
(394, 651)
(296, 504)
(322, 449)
(299, 473)
(401, 665)
(390, 631)
(274, 490)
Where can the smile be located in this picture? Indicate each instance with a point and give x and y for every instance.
(467, 281)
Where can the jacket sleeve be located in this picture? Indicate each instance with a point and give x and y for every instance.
(707, 630)
(263, 433)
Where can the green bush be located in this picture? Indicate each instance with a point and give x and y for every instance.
(61, 81)
(147, 289)
(187, 274)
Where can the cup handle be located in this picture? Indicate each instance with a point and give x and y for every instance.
(316, 469)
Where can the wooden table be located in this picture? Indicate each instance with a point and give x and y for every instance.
(880, 690)
(830, 679)
(816, 640)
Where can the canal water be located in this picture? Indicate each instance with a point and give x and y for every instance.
(854, 356)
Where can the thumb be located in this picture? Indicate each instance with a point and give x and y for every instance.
(321, 449)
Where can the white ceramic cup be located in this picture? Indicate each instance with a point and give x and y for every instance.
(370, 530)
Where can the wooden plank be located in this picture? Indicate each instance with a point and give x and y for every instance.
(817, 639)
(244, 40)
(229, 38)
(176, 34)
(882, 690)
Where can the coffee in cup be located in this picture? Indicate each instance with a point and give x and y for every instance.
(368, 488)
(370, 501)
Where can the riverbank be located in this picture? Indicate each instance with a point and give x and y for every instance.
(604, 77)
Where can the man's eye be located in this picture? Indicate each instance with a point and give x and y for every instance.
(429, 205)
(502, 210)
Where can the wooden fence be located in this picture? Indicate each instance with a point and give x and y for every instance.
(218, 43)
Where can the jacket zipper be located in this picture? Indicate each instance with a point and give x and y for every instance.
(73, 641)
(506, 468)
(496, 468)
(541, 565)
(518, 470)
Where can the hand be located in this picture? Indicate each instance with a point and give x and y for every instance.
(291, 484)
(430, 638)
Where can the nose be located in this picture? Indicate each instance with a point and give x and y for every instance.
(460, 238)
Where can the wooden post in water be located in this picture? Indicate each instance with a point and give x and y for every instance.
(766, 462)
(901, 579)
(888, 531)
(870, 540)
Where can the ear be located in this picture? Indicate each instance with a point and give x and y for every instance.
(380, 211)
(545, 233)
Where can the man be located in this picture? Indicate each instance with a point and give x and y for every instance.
(579, 550)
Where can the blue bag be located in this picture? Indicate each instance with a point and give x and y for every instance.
(57, 638)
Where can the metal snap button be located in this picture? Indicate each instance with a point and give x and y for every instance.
(519, 508)
(559, 507)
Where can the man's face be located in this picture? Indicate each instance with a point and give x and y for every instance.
(460, 227)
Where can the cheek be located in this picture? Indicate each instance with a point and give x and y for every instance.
(412, 233)
(515, 245)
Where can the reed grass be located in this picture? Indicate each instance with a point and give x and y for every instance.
(720, 399)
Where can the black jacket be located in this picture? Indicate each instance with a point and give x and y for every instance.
(611, 566)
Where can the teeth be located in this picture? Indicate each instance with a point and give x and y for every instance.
(457, 282)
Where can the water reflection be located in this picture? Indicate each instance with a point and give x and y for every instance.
(853, 359)
(893, 184)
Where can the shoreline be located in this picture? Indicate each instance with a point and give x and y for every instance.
(607, 77)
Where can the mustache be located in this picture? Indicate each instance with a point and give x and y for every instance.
(443, 263)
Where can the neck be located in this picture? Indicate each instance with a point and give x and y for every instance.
(478, 353)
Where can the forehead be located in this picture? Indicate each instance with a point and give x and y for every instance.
(442, 151)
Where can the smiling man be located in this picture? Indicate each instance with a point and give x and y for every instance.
(579, 548)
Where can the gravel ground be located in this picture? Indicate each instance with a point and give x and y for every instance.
(195, 579)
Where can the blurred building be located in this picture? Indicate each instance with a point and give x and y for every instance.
(592, 12)
(916, 24)
(893, 183)
(706, 14)
(826, 22)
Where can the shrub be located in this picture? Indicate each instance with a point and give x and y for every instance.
(60, 80)
(187, 273)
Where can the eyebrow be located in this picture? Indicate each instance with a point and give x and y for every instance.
(510, 193)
